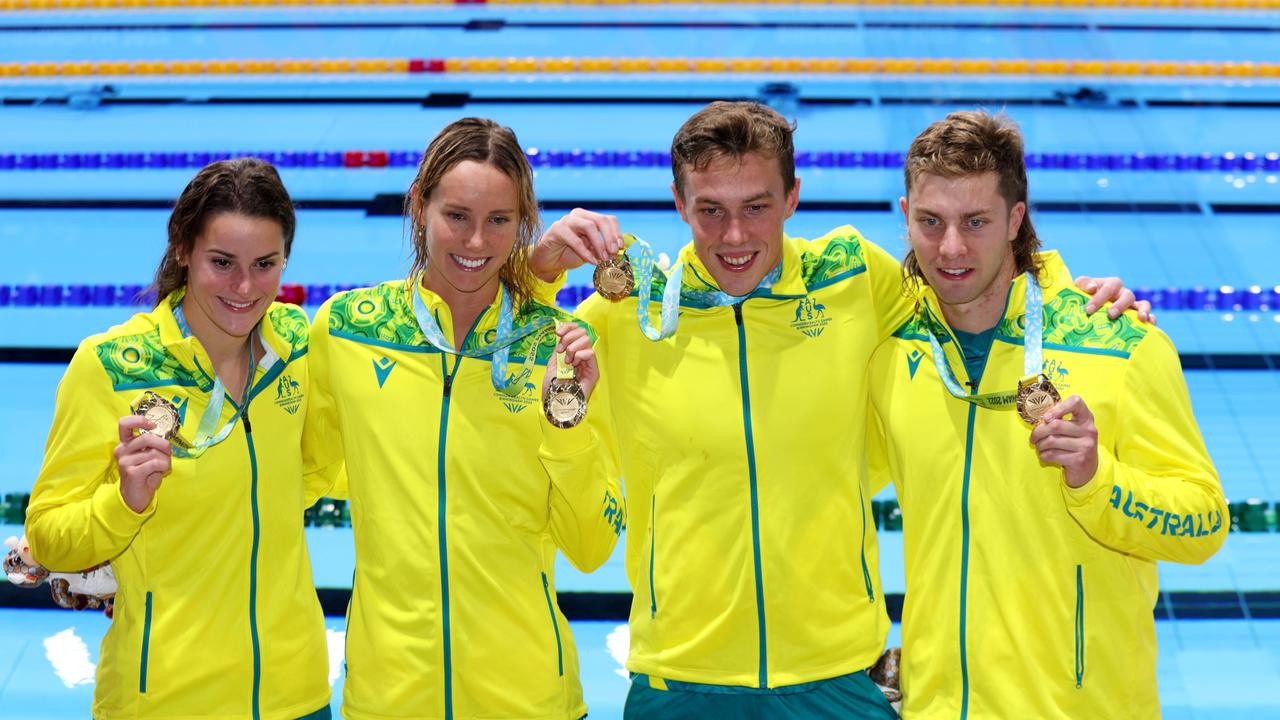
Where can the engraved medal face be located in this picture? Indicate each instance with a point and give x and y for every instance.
(564, 404)
(1035, 398)
(161, 412)
(614, 278)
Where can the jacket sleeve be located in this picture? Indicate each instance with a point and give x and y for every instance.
(587, 507)
(323, 466)
(889, 295)
(545, 292)
(77, 517)
(1156, 494)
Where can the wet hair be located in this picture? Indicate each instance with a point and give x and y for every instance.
(244, 186)
(483, 141)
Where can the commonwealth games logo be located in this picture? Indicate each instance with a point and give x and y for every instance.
(811, 317)
(288, 394)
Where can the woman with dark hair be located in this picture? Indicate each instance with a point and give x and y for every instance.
(196, 500)
(462, 487)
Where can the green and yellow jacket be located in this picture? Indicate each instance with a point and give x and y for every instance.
(460, 497)
(752, 552)
(1026, 598)
(216, 615)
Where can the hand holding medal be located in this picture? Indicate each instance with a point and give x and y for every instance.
(1067, 436)
(571, 375)
(578, 238)
(144, 455)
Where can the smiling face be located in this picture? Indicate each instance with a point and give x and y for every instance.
(471, 224)
(736, 207)
(233, 274)
(962, 232)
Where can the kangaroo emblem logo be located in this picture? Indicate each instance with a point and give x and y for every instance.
(288, 394)
(1057, 373)
(516, 403)
(811, 317)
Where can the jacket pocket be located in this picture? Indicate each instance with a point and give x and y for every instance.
(653, 521)
(146, 647)
(866, 573)
(1079, 626)
(555, 625)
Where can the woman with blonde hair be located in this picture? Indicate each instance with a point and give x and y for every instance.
(458, 401)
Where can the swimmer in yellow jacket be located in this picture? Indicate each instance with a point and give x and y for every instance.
(216, 615)
(461, 490)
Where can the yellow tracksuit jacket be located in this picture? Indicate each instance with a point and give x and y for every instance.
(216, 615)
(752, 553)
(460, 496)
(1026, 598)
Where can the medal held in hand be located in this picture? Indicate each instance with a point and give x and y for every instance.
(564, 402)
(163, 415)
(1035, 396)
(614, 279)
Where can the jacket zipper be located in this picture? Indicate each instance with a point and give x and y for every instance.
(755, 499)
(555, 625)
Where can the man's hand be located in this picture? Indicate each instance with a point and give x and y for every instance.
(1071, 443)
(1112, 290)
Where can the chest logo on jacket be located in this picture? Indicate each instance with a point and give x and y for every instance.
(515, 403)
(1057, 373)
(811, 317)
(913, 362)
(288, 394)
(382, 368)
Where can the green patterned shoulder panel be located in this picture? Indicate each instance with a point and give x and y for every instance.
(290, 325)
(1068, 325)
(378, 314)
(915, 328)
(840, 257)
(140, 361)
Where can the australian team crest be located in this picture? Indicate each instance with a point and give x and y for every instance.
(515, 403)
(1057, 374)
(811, 317)
(288, 394)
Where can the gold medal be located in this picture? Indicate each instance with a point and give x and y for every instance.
(1035, 397)
(564, 403)
(614, 279)
(163, 415)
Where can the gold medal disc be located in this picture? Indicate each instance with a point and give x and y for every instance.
(614, 279)
(564, 404)
(162, 413)
(1035, 397)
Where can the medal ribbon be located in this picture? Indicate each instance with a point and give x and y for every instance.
(644, 261)
(207, 434)
(499, 349)
(564, 371)
(642, 258)
(1032, 354)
